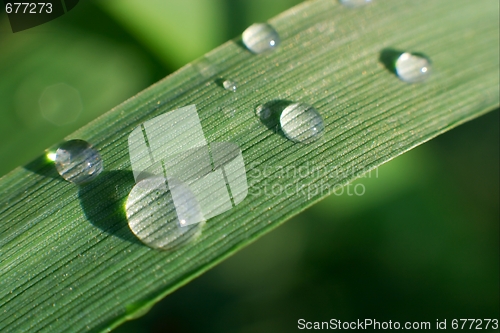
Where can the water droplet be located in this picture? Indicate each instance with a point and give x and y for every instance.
(412, 68)
(260, 38)
(156, 220)
(230, 85)
(78, 162)
(301, 123)
(355, 3)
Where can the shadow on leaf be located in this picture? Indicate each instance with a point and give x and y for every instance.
(103, 201)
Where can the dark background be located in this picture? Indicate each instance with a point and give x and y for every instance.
(421, 244)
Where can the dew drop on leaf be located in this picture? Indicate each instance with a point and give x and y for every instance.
(155, 219)
(230, 85)
(260, 38)
(301, 123)
(78, 162)
(412, 68)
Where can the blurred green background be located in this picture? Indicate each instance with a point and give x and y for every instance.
(421, 244)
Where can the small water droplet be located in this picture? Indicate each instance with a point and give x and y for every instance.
(230, 85)
(78, 162)
(163, 225)
(260, 38)
(355, 3)
(412, 68)
(301, 123)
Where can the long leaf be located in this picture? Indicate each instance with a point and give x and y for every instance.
(69, 261)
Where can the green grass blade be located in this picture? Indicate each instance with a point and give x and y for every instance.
(68, 260)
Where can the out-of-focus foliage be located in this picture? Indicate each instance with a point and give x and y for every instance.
(108, 51)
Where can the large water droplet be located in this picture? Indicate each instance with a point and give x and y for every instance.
(78, 162)
(260, 38)
(156, 220)
(230, 85)
(301, 123)
(355, 3)
(412, 68)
